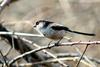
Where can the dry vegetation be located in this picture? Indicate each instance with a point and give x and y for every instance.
(80, 15)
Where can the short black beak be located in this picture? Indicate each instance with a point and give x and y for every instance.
(34, 25)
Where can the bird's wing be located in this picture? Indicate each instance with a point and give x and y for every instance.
(60, 28)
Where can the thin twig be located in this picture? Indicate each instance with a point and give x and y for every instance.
(13, 46)
(59, 55)
(85, 57)
(4, 58)
(3, 4)
(8, 51)
(82, 55)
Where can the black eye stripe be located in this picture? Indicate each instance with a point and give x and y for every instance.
(46, 23)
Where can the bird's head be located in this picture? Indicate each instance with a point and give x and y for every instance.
(42, 24)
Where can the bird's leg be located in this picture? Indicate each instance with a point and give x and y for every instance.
(57, 44)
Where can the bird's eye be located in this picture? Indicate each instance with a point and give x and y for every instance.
(37, 23)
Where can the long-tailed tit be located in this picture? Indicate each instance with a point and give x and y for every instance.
(55, 31)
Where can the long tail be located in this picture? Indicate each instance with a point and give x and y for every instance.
(67, 29)
(88, 34)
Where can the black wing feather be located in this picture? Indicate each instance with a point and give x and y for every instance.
(60, 28)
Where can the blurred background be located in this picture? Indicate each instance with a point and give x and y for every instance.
(79, 15)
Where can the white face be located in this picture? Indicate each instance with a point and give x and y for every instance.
(39, 25)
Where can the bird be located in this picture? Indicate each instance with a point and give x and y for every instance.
(54, 30)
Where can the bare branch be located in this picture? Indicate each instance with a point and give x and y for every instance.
(85, 57)
(82, 55)
(60, 55)
(51, 46)
(63, 44)
(45, 51)
(27, 53)
(21, 34)
(4, 59)
(5, 3)
(55, 60)
(63, 57)
(80, 43)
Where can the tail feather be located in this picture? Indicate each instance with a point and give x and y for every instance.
(88, 34)
(67, 29)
